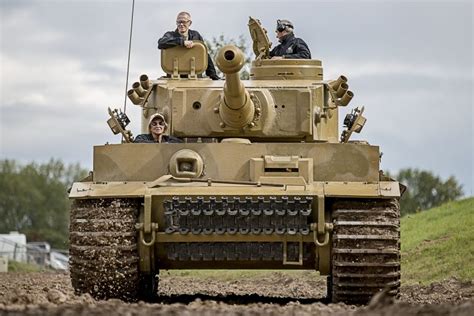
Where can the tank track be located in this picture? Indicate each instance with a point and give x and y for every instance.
(365, 250)
(103, 249)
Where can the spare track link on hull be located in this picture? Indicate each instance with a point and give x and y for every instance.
(232, 214)
(237, 251)
(103, 249)
(365, 250)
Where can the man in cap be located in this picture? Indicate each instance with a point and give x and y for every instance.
(156, 127)
(290, 47)
(183, 36)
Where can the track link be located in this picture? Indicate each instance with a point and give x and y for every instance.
(103, 248)
(365, 250)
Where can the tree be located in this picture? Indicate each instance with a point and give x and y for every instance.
(217, 43)
(425, 190)
(33, 199)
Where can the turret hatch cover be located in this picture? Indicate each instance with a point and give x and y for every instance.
(261, 43)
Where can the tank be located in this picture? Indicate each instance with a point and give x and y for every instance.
(264, 179)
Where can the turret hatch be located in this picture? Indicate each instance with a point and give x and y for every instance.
(261, 43)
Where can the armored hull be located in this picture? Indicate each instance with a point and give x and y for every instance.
(265, 217)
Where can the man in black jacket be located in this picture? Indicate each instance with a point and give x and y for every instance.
(290, 47)
(183, 36)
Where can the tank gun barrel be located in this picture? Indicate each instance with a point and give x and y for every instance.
(236, 108)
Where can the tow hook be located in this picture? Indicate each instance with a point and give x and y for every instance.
(154, 228)
(328, 227)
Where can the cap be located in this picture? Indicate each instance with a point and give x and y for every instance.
(154, 117)
(283, 24)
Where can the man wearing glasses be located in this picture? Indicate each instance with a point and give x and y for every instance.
(183, 36)
(156, 127)
(290, 47)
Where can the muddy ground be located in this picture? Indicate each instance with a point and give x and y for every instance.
(275, 294)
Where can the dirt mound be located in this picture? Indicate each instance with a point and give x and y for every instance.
(278, 294)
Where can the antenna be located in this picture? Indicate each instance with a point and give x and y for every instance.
(128, 62)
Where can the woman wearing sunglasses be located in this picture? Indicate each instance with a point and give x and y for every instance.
(157, 127)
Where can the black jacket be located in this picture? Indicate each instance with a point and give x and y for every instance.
(148, 138)
(291, 47)
(174, 38)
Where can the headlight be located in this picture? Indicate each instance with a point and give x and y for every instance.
(186, 163)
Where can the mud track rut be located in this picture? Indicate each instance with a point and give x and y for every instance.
(271, 294)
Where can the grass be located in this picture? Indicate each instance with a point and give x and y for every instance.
(438, 243)
(15, 266)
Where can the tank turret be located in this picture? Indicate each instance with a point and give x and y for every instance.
(236, 109)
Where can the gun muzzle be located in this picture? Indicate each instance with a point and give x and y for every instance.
(144, 82)
(139, 89)
(341, 91)
(346, 98)
(237, 109)
(336, 83)
(343, 87)
(134, 97)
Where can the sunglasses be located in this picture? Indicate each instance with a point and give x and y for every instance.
(158, 123)
(184, 22)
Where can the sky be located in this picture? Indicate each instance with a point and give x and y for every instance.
(63, 62)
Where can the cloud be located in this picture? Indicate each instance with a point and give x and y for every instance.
(397, 68)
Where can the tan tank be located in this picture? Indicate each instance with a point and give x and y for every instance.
(263, 180)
